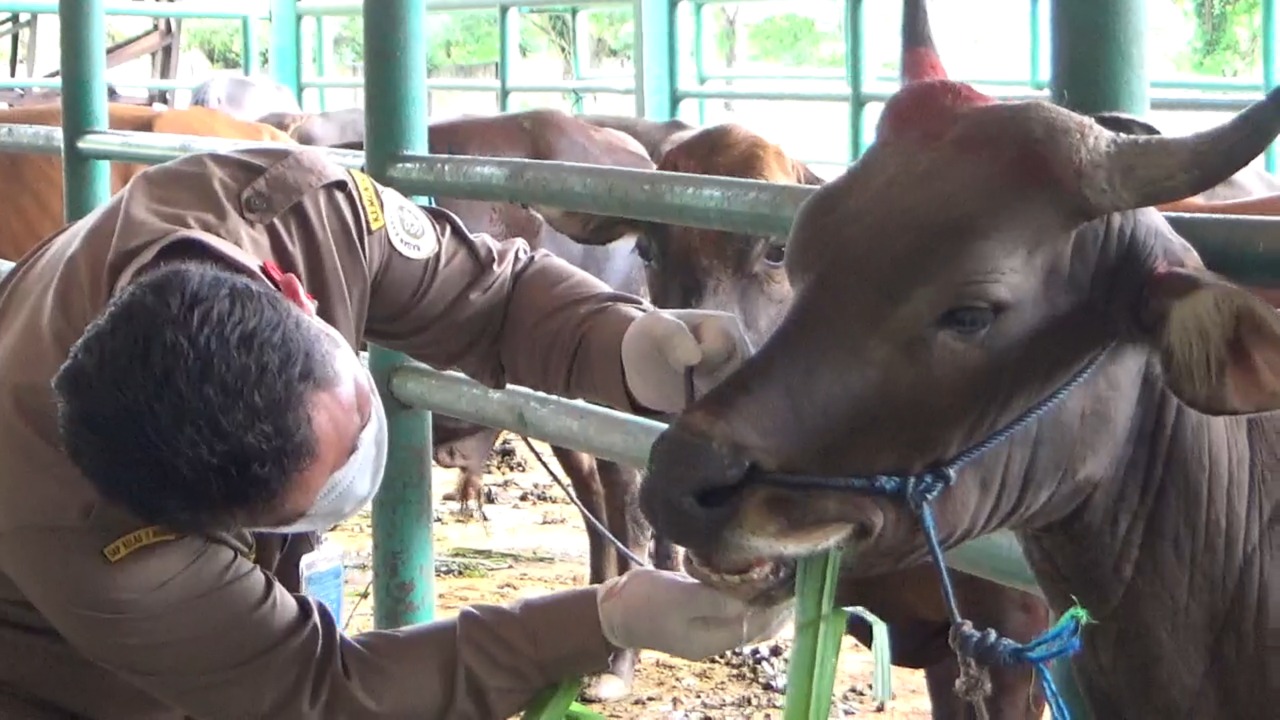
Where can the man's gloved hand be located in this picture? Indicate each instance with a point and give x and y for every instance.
(660, 345)
(672, 613)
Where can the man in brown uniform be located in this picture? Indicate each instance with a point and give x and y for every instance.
(179, 370)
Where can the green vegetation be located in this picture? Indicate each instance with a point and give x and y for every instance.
(1227, 40)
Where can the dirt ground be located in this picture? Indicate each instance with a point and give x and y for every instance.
(533, 542)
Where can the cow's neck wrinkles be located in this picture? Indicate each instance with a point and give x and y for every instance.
(1149, 513)
(1167, 503)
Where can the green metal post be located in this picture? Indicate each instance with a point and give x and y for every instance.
(1099, 55)
(699, 72)
(1035, 45)
(323, 50)
(853, 70)
(395, 107)
(249, 43)
(87, 183)
(1269, 65)
(579, 39)
(286, 32)
(508, 48)
(655, 22)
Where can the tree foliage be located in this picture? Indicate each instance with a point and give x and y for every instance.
(795, 41)
(221, 41)
(1227, 40)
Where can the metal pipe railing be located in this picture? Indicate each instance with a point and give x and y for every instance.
(1242, 247)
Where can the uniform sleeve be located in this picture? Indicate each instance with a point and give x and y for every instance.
(198, 626)
(497, 311)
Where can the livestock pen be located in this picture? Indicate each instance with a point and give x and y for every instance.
(1103, 73)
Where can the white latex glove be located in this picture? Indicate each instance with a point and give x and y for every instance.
(672, 613)
(661, 344)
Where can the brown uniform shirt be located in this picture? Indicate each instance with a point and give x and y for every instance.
(190, 626)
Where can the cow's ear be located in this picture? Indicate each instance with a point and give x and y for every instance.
(586, 228)
(805, 176)
(1219, 343)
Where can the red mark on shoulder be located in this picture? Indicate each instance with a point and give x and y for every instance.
(926, 110)
(273, 273)
(920, 64)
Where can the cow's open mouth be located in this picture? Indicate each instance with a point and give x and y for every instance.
(759, 580)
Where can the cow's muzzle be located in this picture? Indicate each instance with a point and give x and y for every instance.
(693, 489)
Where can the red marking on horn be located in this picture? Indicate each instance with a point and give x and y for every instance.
(927, 109)
(921, 64)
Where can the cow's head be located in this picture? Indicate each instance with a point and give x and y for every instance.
(689, 267)
(977, 256)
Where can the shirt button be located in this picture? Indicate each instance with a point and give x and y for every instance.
(255, 202)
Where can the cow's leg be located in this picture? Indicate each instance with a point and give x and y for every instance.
(627, 524)
(585, 475)
(467, 453)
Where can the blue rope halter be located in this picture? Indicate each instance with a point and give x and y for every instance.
(920, 490)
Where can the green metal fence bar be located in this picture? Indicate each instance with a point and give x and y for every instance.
(312, 8)
(186, 9)
(395, 42)
(87, 182)
(508, 41)
(581, 86)
(1244, 248)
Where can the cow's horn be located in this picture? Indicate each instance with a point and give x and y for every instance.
(1137, 171)
(920, 61)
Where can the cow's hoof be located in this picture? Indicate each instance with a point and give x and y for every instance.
(605, 688)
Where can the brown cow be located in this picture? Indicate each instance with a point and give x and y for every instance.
(32, 193)
(977, 258)
(742, 274)
(606, 489)
(332, 128)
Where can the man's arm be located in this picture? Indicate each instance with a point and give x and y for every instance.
(202, 628)
(498, 311)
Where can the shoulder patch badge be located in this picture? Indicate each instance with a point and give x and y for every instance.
(374, 218)
(136, 540)
(408, 228)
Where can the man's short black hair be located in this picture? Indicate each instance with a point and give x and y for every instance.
(187, 401)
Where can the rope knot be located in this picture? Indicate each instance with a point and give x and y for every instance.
(988, 648)
(985, 647)
(924, 488)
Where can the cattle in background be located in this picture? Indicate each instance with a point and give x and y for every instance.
(744, 274)
(19, 97)
(244, 97)
(606, 489)
(980, 257)
(332, 128)
(33, 194)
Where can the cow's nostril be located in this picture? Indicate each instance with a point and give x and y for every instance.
(716, 498)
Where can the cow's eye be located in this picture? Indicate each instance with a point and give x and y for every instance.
(968, 320)
(644, 248)
(775, 252)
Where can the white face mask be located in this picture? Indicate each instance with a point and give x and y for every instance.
(354, 484)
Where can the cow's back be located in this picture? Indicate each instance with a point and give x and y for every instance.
(31, 192)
